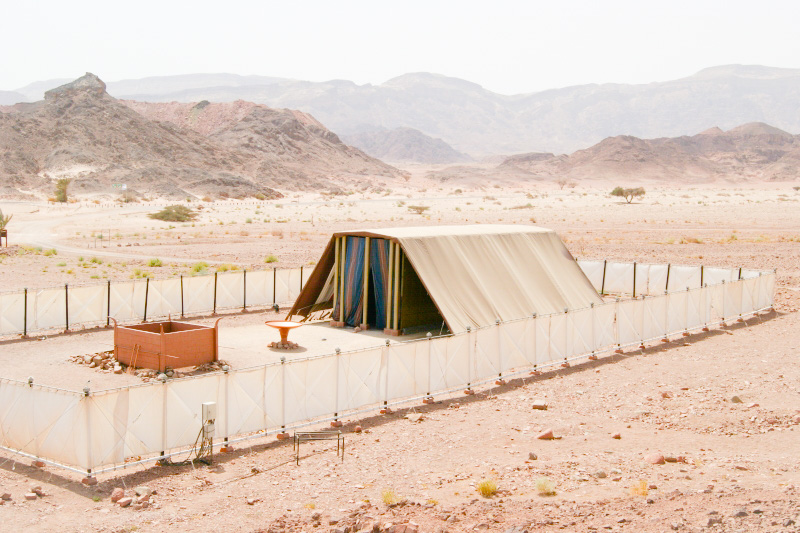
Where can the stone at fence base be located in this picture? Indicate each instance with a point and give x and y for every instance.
(282, 436)
(125, 502)
(469, 392)
(705, 329)
(89, 480)
(117, 494)
(336, 424)
(500, 382)
(386, 411)
(686, 334)
(592, 357)
(546, 435)
(619, 350)
(226, 449)
(565, 364)
(38, 464)
(665, 340)
(428, 401)
(536, 373)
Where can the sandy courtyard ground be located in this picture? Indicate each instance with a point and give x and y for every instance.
(736, 466)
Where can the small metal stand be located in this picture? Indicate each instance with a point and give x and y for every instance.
(301, 436)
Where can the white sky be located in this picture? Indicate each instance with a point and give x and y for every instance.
(506, 46)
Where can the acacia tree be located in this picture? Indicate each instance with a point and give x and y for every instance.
(628, 194)
(61, 190)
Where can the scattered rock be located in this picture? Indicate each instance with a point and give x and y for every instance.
(357, 429)
(616, 436)
(666, 395)
(740, 513)
(117, 494)
(414, 417)
(713, 521)
(144, 490)
(125, 502)
(30, 496)
(532, 456)
(671, 459)
(251, 501)
(546, 435)
(600, 474)
(655, 458)
(37, 489)
(540, 405)
(6, 497)
(736, 399)
(89, 481)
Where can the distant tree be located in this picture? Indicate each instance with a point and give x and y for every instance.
(562, 182)
(61, 190)
(174, 213)
(418, 209)
(4, 220)
(628, 194)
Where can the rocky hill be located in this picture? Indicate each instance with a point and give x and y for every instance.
(405, 145)
(79, 131)
(753, 151)
(477, 121)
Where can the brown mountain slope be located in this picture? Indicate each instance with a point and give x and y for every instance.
(753, 151)
(81, 132)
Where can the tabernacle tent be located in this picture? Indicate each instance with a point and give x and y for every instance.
(437, 276)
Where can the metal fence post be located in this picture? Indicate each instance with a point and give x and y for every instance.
(301, 277)
(66, 305)
(146, 295)
(244, 290)
(108, 303)
(603, 283)
(274, 284)
(214, 312)
(25, 314)
(666, 285)
(181, 295)
(634, 279)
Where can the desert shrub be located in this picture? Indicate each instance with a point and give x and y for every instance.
(155, 263)
(271, 259)
(545, 487)
(51, 252)
(628, 194)
(259, 196)
(96, 260)
(487, 488)
(389, 497)
(174, 213)
(248, 221)
(199, 268)
(418, 209)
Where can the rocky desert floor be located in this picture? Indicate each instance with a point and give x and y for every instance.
(708, 425)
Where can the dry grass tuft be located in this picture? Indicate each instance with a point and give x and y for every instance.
(545, 487)
(487, 488)
(639, 488)
(389, 497)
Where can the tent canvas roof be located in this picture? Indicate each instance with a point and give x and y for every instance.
(478, 274)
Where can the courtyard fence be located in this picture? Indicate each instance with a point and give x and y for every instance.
(73, 306)
(96, 431)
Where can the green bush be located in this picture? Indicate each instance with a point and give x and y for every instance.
(628, 194)
(271, 259)
(156, 263)
(174, 213)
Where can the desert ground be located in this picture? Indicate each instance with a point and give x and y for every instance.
(729, 466)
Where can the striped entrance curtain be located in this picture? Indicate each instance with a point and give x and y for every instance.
(353, 280)
(379, 270)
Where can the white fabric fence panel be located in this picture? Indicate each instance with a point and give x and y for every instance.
(657, 279)
(139, 291)
(594, 270)
(12, 313)
(715, 276)
(294, 280)
(230, 290)
(51, 309)
(310, 388)
(87, 305)
(43, 422)
(619, 278)
(604, 319)
(681, 277)
(360, 380)
(121, 307)
(164, 298)
(406, 364)
(183, 405)
(259, 287)
(282, 284)
(198, 294)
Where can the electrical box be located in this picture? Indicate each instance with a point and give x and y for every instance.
(209, 412)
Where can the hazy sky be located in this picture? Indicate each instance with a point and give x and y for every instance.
(508, 47)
